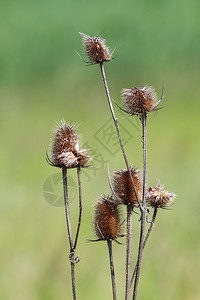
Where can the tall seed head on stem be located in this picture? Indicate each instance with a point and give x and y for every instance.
(95, 49)
(123, 186)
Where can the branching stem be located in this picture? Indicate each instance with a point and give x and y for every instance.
(146, 239)
(80, 206)
(151, 226)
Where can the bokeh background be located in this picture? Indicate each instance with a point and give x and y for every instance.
(42, 81)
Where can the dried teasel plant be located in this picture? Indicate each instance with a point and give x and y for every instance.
(128, 187)
(140, 101)
(66, 154)
(107, 226)
(156, 198)
(129, 196)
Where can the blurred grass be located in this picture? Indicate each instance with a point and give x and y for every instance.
(42, 81)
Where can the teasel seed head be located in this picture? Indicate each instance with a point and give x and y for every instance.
(95, 49)
(159, 198)
(65, 148)
(123, 186)
(107, 219)
(140, 100)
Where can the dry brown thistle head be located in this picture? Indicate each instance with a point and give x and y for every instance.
(95, 49)
(123, 186)
(159, 198)
(140, 100)
(107, 219)
(65, 148)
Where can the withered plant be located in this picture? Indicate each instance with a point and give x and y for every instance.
(66, 154)
(108, 228)
(128, 188)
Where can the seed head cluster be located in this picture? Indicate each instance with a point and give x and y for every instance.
(139, 100)
(65, 148)
(159, 198)
(107, 219)
(123, 186)
(95, 49)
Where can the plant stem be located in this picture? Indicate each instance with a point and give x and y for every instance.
(146, 239)
(128, 252)
(117, 128)
(151, 226)
(80, 206)
(112, 271)
(69, 230)
(143, 212)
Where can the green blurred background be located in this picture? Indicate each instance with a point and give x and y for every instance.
(42, 80)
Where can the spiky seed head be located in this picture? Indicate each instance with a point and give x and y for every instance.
(159, 198)
(95, 49)
(107, 219)
(123, 186)
(65, 148)
(139, 100)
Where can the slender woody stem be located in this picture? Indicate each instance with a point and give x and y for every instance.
(146, 239)
(151, 226)
(80, 206)
(112, 271)
(128, 252)
(144, 134)
(117, 128)
(69, 230)
(143, 213)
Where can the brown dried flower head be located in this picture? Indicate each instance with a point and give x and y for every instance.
(107, 219)
(159, 198)
(96, 49)
(65, 148)
(139, 100)
(123, 186)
